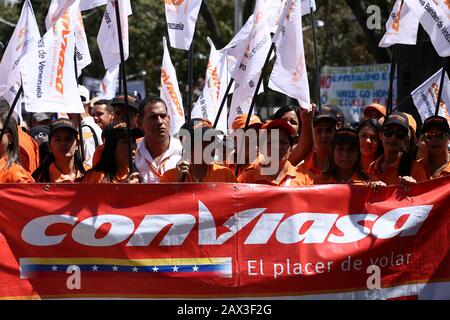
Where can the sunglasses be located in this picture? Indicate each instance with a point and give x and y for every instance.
(436, 135)
(387, 132)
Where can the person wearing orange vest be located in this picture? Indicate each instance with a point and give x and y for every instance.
(325, 125)
(284, 173)
(396, 166)
(113, 166)
(436, 134)
(344, 160)
(63, 163)
(10, 169)
(205, 170)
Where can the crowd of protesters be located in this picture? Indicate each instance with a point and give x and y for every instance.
(311, 147)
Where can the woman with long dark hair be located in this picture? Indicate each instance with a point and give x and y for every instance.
(343, 160)
(113, 166)
(369, 142)
(63, 163)
(10, 169)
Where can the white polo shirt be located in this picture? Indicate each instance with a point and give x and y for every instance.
(151, 170)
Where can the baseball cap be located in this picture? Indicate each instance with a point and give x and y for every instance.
(411, 121)
(40, 116)
(330, 112)
(436, 121)
(375, 106)
(59, 124)
(239, 122)
(40, 133)
(282, 124)
(120, 128)
(346, 134)
(84, 94)
(133, 101)
(398, 118)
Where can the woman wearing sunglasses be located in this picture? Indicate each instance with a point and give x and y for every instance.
(436, 133)
(396, 166)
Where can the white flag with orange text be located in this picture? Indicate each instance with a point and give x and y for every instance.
(216, 80)
(248, 68)
(401, 27)
(289, 71)
(181, 17)
(434, 16)
(109, 83)
(24, 36)
(170, 92)
(48, 69)
(425, 97)
(108, 37)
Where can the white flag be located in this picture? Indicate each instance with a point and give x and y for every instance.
(91, 4)
(237, 45)
(181, 16)
(425, 97)
(401, 26)
(274, 11)
(48, 70)
(109, 84)
(108, 38)
(306, 6)
(434, 15)
(248, 69)
(216, 81)
(289, 72)
(56, 10)
(24, 36)
(170, 92)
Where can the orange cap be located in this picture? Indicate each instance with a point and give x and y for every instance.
(239, 122)
(411, 121)
(282, 124)
(376, 106)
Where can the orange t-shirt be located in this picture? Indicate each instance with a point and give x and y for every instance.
(390, 174)
(59, 177)
(441, 172)
(94, 176)
(310, 165)
(325, 179)
(29, 151)
(14, 174)
(216, 173)
(291, 176)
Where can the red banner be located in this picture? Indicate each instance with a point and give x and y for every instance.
(224, 241)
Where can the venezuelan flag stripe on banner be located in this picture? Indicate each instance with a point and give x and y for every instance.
(224, 241)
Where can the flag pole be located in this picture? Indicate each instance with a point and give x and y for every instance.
(441, 86)
(11, 110)
(222, 103)
(316, 60)
(80, 129)
(124, 79)
(255, 94)
(391, 78)
(190, 81)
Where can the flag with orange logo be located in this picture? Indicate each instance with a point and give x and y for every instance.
(425, 97)
(25, 34)
(289, 72)
(48, 69)
(108, 37)
(181, 16)
(251, 61)
(216, 81)
(82, 54)
(109, 84)
(401, 27)
(170, 92)
(434, 16)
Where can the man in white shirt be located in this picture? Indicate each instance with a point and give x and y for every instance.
(158, 151)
